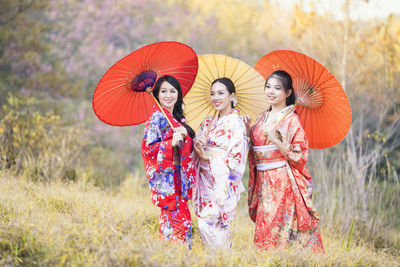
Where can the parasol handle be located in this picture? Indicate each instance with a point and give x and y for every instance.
(162, 110)
(287, 113)
(209, 126)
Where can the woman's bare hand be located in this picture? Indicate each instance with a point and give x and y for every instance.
(200, 152)
(182, 130)
(176, 138)
(202, 140)
(247, 121)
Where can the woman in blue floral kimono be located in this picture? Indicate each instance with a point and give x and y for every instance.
(167, 158)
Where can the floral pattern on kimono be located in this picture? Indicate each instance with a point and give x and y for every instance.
(175, 225)
(170, 185)
(280, 198)
(219, 180)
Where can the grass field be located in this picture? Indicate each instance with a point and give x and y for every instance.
(78, 224)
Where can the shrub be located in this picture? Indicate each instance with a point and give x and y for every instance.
(39, 144)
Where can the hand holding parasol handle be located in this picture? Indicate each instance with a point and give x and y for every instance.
(209, 126)
(283, 117)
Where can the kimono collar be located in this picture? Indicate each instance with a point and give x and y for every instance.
(215, 120)
(233, 111)
(285, 110)
(166, 111)
(277, 116)
(173, 120)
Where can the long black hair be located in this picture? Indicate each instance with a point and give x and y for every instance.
(228, 84)
(178, 110)
(287, 83)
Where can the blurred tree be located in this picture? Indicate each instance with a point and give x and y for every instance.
(40, 145)
(241, 29)
(364, 56)
(25, 62)
(90, 35)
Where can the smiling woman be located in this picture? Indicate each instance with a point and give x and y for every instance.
(221, 152)
(278, 96)
(168, 162)
(222, 95)
(168, 96)
(280, 187)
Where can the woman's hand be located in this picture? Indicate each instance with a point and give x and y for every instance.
(200, 152)
(247, 121)
(202, 140)
(272, 135)
(176, 138)
(182, 130)
(270, 132)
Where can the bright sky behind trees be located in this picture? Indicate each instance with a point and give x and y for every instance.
(361, 9)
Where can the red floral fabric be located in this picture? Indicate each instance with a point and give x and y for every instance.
(170, 185)
(280, 199)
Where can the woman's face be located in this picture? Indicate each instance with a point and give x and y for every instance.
(168, 95)
(221, 98)
(276, 93)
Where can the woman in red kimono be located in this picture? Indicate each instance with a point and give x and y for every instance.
(167, 158)
(280, 186)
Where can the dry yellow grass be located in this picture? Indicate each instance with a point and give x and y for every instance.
(77, 224)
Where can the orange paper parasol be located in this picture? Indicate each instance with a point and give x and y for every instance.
(120, 98)
(321, 102)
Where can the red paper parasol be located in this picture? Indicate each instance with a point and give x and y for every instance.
(321, 102)
(121, 99)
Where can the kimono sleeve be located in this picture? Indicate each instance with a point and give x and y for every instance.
(188, 170)
(155, 145)
(203, 126)
(253, 190)
(157, 153)
(186, 148)
(297, 147)
(237, 148)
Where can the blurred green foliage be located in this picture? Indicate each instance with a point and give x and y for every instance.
(38, 144)
(26, 61)
(45, 146)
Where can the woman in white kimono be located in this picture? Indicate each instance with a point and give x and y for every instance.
(221, 148)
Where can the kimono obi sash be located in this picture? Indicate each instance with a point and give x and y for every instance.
(268, 157)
